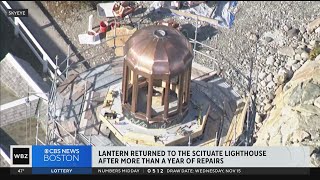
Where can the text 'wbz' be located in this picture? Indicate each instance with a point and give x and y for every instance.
(171, 157)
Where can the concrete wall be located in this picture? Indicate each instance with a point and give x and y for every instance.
(19, 77)
(17, 110)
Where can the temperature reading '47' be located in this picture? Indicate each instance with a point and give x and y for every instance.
(20, 170)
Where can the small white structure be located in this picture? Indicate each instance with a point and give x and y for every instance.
(105, 9)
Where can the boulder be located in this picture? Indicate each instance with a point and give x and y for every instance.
(304, 56)
(286, 51)
(317, 102)
(294, 120)
(293, 32)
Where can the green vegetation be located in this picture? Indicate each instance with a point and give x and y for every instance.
(315, 51)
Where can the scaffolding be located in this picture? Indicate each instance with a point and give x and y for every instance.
(53, 125)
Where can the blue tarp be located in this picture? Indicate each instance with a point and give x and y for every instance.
(223, 11)
(224, 14)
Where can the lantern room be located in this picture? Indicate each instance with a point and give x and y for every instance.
(156, 76)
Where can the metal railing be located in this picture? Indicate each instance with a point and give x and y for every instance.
(20, 28)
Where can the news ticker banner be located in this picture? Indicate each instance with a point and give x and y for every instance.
(154, 160)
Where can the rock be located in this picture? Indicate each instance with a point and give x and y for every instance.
(259, 125)
(269, 78)
(297, 57)
(305, 36)
(267, 107)
(268, 39)
(310, 93)
(317, 58)
(258, 118)
(317, 102)
(286, 27)
(295, 67)
(291, 62)
(263, 83)
(253, 37)
(271, 84)
(262, 75)
(307, 110)
(315, 159)
(290, 73)
(293, 32)
(313, 43)
(315, 135)
(295, 96)
(301, 121)
(280, 79)
(313, 25)
(300, 136)
(286, 51)
(317, 30)
(302, 29)
(270, 60)
(270, 96)
(299, 50)
(266, 101)
(304, 56)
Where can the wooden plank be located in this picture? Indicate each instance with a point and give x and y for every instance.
(236, 126)
(66, 82)
(201, 18)
(80, 90)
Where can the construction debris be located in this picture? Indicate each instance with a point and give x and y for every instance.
(201, 9)
(220, 13)
(121, 10)
(105, 9)
(89, 38)
(201, 18)
(115, 9)
(106, 112)
(109, 99)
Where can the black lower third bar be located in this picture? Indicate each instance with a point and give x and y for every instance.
(179, 171)
(202, 171)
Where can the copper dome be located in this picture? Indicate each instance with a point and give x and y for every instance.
(158, 50)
